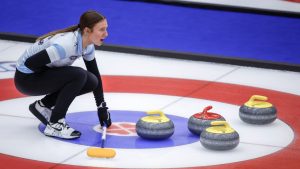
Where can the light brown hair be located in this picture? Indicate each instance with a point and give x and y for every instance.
(87, 19)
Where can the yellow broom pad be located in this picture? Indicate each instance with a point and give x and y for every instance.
(101, 152)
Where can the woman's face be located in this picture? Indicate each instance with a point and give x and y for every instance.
(99, 33)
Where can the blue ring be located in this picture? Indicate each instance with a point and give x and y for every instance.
(85, 122)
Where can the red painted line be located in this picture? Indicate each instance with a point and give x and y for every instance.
(8, 90)
(297, 1)
(288, 106)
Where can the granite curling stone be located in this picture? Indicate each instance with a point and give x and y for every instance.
(156, 126)
(219, 137)
(258, 111)
(199, 121)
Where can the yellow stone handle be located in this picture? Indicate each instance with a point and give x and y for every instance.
(258, 101)
(257, 98)
(220, 123)
(156, 112)
(153, 118)
(220, 127)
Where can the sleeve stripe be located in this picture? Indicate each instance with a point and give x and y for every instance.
(56, 52)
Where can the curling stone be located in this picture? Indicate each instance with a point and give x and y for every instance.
(258, 111)
(199, 121)
(155, 126)
(219, 137)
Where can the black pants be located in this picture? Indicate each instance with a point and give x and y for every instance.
(60, 85)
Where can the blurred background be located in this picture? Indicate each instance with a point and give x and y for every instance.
(243, 32)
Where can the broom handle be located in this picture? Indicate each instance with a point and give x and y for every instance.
(103, 136)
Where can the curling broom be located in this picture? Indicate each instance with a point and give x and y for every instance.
(101, 152)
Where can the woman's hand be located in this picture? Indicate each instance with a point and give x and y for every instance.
(104, 115)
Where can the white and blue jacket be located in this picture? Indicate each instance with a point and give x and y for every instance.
(63, 49)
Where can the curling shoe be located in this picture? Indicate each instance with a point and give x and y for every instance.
(61, 129)
(40, 111)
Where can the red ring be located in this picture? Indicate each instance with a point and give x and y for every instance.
(287, 105)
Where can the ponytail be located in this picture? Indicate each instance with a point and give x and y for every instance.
(50, 34)
(87, 19)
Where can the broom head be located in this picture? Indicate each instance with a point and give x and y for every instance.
(101, 152)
